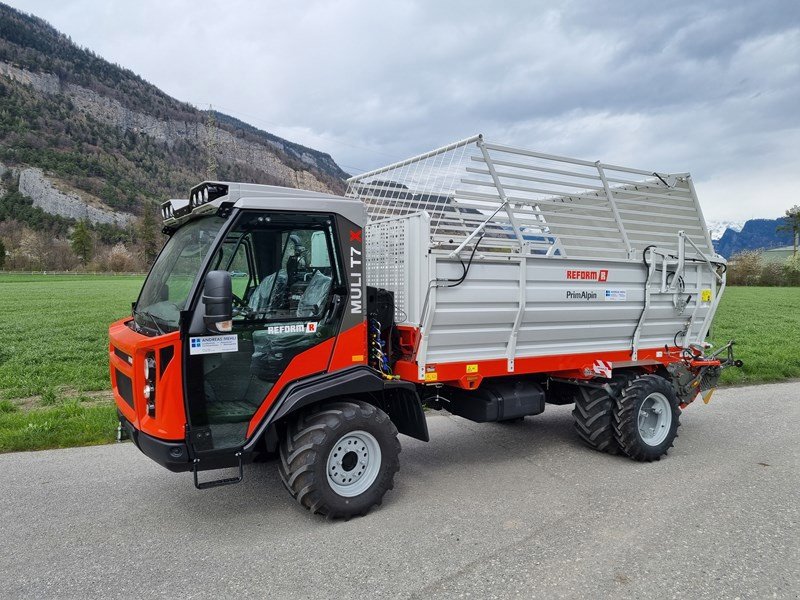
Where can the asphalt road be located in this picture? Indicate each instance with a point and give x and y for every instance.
(482, 511)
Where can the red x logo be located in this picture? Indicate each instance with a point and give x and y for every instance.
(355, 235)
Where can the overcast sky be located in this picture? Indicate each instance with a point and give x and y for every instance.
(707, 87)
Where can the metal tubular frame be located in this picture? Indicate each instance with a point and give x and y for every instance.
(614, 210)
(513, 208)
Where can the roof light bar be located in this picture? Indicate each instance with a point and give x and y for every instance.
(208, 191)
(174, 209)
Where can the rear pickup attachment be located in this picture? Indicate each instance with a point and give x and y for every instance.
(697, 373)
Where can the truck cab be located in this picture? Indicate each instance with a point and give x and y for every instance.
(256, 308)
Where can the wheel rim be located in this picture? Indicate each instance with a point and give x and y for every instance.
(353, 463)
(655, 419)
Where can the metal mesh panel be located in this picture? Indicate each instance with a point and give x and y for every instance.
(385, 260)
(520, 201)
(396, 261)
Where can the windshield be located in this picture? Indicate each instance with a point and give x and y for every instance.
(167, 287)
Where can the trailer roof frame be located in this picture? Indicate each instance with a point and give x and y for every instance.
(582, 209)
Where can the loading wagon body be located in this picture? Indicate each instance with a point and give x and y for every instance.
(575, 267)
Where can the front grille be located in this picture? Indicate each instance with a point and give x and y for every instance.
(123, 356)
(124, 387)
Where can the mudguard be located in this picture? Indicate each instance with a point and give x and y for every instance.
(399, 399)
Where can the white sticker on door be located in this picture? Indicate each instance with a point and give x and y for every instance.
(213, 344)
(616, 295)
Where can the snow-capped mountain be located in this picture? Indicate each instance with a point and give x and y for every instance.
(717, 228)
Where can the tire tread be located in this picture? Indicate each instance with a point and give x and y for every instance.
(625, 415)
(593, 416)
(302, 443)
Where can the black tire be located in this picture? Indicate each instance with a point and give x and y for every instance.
(308, 442)
(626, 418)
(593, 415)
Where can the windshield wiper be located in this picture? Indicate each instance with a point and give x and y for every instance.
(137, 313)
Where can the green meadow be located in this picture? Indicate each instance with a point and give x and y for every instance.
(54, 385)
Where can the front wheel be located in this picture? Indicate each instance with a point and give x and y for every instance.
(340, 459)
(646, 418)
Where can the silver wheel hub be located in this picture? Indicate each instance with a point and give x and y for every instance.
(353, 463)
(654, 419)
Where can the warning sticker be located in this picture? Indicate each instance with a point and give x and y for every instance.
(705, 296)
(602, 368)
(616, 295)
(214, 344)
(472, 368)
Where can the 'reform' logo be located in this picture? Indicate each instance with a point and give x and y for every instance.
(601, 275)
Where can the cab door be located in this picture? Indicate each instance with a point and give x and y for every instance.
(284, 267)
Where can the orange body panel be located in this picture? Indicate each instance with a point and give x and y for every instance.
(468, 375)
(169, 423)
(170, 417)
(350, 348)
(312, 361)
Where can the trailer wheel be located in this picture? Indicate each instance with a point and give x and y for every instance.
(340, 459)
(646, 418)
(593, 415)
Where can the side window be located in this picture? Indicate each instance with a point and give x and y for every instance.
(282, 266)
(241, 270)
(236, 257)
(300, 284)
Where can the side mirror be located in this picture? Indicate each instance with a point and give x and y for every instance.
(218, 300)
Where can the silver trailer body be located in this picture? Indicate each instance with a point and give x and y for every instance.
(562, 256)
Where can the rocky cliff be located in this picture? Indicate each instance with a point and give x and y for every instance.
(69, 204)
(92, 140)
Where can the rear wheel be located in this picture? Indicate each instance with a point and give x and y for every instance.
(340, 459)
(593, 415)
(646, 418)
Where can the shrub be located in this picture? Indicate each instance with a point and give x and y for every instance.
(772, 274)
(120, 259)
(791, 270)
(745, 268)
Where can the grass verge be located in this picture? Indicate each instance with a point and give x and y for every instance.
(765, 322)
(70, 423)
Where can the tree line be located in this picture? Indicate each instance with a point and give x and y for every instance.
(81, 247)
(751, 267)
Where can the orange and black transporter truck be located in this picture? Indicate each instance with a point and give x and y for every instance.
(317, 326)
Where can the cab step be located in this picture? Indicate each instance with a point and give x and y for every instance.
(204, 485)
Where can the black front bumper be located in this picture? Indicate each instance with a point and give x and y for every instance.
(172, 455)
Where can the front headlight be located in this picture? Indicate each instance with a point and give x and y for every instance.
(149, 368)
(149, 391)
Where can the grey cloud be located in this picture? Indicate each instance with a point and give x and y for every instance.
(712, 87)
